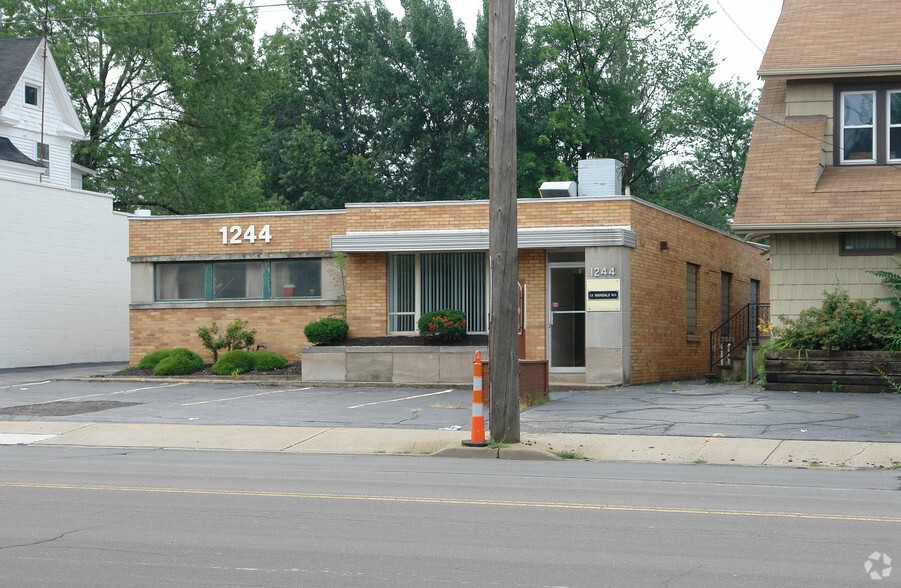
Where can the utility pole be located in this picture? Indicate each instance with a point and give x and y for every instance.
(502, 242)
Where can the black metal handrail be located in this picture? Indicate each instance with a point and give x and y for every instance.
(734, 334)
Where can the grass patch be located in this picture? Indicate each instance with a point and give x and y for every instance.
(380, 451)
(497, 444)
(456, 406)
(529, 401)
(569, 454)
(699, 461)
(814, 464)
(896, 465)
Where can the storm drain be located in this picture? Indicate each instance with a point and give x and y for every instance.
(64, 408)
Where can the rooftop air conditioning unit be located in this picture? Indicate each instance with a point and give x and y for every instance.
(600, 177)
(558, 190)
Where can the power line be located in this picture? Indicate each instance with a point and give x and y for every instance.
(738, 27)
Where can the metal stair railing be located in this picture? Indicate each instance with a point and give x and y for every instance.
(733, 336)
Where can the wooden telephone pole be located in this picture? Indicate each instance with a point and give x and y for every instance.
(502, 243)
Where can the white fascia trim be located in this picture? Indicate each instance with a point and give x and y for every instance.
(477, 239)
(163, 217)
(844, 71)
(818, 227)
(83, 170)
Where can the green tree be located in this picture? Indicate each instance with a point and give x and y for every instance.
(713, 124)
(166, 99)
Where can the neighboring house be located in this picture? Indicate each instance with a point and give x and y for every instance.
(823, 174)
(65, 279)
(37, 120)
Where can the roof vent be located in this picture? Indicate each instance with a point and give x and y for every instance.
(558, 190)
(600, 177)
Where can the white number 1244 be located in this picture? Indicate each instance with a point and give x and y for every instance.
(238, 235)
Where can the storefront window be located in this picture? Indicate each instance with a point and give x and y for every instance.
(297, 278)
(456, 281)
(290, 278)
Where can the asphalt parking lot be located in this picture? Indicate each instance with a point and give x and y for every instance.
(671, 408)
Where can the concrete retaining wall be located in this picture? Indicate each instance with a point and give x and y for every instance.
(450, 364)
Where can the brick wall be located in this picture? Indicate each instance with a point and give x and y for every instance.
(660, 349)
(367, 294)
(173, 235)
(533, 273)
(280, 329)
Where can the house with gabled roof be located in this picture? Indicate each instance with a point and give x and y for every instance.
(823, 174)
(38, 122)
(65, 281)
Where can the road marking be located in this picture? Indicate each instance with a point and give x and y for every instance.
(399, 399)
(28, 384)
(247, 396)
(112, 393)
(461, 501)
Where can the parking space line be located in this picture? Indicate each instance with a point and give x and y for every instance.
(247, 396)
(111, 393)
(404, 398)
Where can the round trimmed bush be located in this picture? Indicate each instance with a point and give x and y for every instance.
(265, 361)
(447, 325)
(149, 361)
(179, 362)
(233, 362)
(326, 331)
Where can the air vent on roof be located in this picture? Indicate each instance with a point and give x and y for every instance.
(558, 190)
(600, 177)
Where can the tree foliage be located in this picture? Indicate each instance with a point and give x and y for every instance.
(354, 103)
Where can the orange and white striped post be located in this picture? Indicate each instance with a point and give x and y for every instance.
(477, 437)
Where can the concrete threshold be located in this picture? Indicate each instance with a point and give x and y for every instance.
(362, 441)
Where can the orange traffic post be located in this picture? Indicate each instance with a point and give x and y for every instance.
(477, 437)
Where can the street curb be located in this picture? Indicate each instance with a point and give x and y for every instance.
(519, 453)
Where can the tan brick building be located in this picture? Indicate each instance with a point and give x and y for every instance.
(617, 290)
(822, 178)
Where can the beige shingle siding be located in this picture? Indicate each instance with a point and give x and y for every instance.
(822, 34)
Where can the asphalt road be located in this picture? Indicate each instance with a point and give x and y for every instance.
(687, 409)
(90, 517)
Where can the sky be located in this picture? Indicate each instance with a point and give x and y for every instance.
(739, 30)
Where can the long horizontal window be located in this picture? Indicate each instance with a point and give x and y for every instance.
(230, 280)
(421, 283)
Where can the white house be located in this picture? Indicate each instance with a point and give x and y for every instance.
(64, 274)
(37, 120)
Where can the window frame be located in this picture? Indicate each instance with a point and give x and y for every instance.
(881, 122)
(396, 312)
(692, 279)
(37, 95)
(843, 252)
(873, 126)
(208, 286)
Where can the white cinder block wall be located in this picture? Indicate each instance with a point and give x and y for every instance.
(64, 278)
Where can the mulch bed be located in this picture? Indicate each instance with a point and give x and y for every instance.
(468, 340)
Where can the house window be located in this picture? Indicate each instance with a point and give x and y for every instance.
(868, 124)
(858, 139)
(423, 282)
(32, 95)
(894, 126)
(875, 243)
(254, 280)
(691, 300)
(42, 155)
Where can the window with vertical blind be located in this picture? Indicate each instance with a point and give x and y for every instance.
(423, 282)
(691, 300)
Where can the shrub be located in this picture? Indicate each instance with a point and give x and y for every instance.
(178, 362)
(326, 331)
(233, 362)
(840, 324)
(265, 361)
(149, 361)
(234, 337)
(446, 325)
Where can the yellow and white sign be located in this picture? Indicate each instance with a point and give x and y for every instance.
(602, 294)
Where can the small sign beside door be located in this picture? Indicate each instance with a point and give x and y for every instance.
(602, 294)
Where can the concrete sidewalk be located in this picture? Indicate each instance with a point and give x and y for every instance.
(645, 448)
